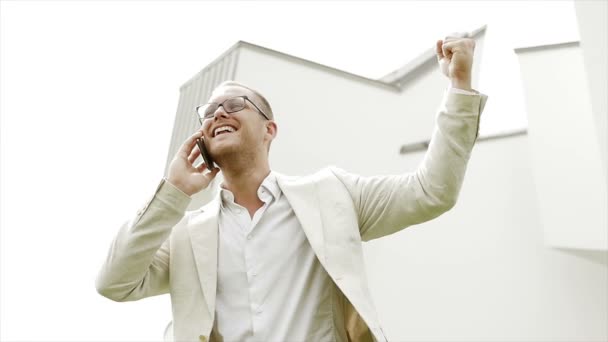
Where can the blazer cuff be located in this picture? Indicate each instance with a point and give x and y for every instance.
(465, 92)
(172, 196)
(464, 104)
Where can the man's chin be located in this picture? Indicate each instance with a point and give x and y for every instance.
(222, 144)
(222, 150)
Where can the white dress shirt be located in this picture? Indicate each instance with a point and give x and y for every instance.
(271, 286)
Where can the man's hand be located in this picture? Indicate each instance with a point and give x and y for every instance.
(183, 174)
(455, 57)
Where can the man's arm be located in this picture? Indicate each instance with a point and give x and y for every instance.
(137, 265)
(387, 204)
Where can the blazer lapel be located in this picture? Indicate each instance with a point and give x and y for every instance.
(302, 196)
(203, 229)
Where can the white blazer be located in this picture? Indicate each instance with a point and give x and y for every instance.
(165, 249)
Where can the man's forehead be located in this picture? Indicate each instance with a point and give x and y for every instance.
(226, 92)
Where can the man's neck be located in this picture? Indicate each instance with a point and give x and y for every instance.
(244, 184)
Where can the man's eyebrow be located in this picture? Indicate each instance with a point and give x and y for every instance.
(222, 99)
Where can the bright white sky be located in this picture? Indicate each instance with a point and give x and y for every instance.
(89, 91)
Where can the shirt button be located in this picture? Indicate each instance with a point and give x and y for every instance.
(258, 312)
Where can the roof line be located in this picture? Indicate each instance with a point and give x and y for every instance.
(398, 75)
(321, 66)
(546, 46)
(388, 82)
(423, 145)
(210, 65)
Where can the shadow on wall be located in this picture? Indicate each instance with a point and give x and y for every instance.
(168, 334)
(595, 256)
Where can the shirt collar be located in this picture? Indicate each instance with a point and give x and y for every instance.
(269, 186)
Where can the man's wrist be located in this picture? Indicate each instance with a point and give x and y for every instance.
(461, 84)
(178, 186)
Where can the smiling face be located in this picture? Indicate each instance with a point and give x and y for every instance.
(243, 134)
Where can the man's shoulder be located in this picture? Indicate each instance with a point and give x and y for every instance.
(327, 172)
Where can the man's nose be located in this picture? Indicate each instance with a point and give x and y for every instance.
(220, 113)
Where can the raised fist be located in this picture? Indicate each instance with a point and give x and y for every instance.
(455, 57)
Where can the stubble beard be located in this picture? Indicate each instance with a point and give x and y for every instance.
(235, 156)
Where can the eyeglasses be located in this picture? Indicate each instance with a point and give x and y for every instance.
(231, 105)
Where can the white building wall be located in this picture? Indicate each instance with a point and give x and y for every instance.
(482, 272)
(592, 25)
(569, 175)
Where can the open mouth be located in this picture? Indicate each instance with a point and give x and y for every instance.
(223, 130)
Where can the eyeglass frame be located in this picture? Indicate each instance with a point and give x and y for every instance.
(201, 119)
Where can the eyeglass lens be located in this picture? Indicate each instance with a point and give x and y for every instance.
(230, 106)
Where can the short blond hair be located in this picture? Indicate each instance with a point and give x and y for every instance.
(263, 103)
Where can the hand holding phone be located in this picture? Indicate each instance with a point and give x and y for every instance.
(205, 154)
(182, 172)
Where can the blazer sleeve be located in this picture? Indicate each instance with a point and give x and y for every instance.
(387, 204)
(137, 264)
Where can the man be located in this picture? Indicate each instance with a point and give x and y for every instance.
(276, 258)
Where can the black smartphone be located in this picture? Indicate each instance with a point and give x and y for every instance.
(205, 154)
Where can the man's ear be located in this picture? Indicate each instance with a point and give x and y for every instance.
(271, 128)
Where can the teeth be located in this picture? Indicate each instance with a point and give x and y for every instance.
(223, 129)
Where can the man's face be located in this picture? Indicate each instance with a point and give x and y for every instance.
(250, 127)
